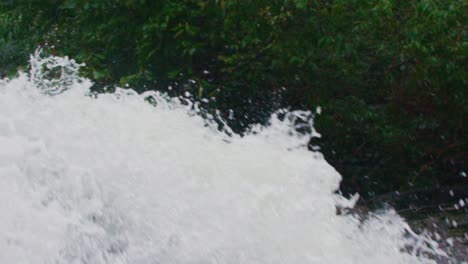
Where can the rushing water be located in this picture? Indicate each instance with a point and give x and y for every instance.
(114, 179)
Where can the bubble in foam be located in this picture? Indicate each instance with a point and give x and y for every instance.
(114, 179)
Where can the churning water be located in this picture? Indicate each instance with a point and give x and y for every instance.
(111, 178)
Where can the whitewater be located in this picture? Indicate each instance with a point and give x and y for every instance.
(111, 178)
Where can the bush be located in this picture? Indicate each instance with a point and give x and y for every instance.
(390, 74)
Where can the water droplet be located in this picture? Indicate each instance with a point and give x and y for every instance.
(318, 110)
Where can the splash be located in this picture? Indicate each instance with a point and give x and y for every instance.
(53, 75)
(114, 179)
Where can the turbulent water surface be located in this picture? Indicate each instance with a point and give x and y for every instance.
(114, 179)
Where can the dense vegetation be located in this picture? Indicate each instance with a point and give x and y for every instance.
(389, 74)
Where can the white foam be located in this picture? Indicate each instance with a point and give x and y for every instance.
(114, 179)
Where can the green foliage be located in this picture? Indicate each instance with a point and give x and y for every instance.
(390, 74)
